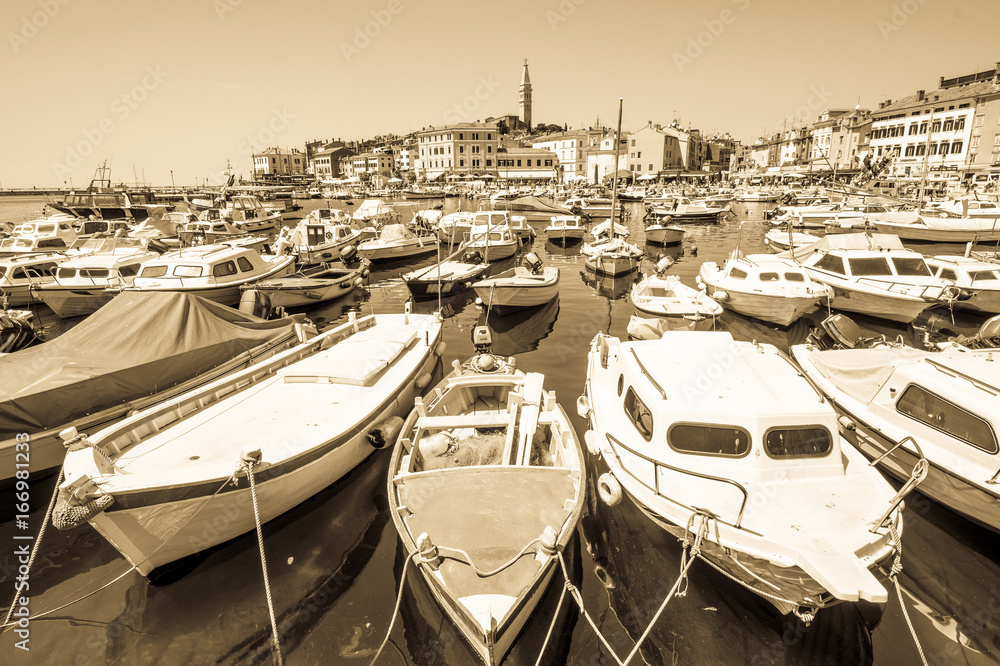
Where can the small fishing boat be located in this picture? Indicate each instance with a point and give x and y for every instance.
(698, 431)
(395, 241)
(682, 209)
(486, 489)
(763, 286)
(873, 274)
(320, 236)
(520, 287)
(588, 206)
(565, 228)
(19, 273)
(375, 213)
(46, 234)
(978, 281)
(311, 286)
(155, 482)
(665, 296)
(215, 272)
(609, 253)
(493, 241)
(79, 379)
(908, 409)
(919, 227)
(83, 284)
(455, 227)
(447, 276)
(780, 241)
(659, 232)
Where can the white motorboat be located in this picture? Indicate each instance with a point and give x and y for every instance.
(19, 273)
(978, 281)
(588, 206)
(905, 408)
(83, 284)
(215, 272)
(682, 209)
(779, 240)
(310, 286)
(763, 286)
(725, 444)
(665, 296)
(395, 241)
(492, 241)
(565, 228)
(974, 208)
(520, 287)
(446, 277)
(873, 274)
(659, 232)
(46, 234)
(320, 236)
(248, 214)
(821, 216)
(375, 213)
(486, 483)
(609, 253)
(919, 227)
(154, 483)
(455, 227)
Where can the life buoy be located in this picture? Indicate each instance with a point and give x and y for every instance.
(329, 235)
(609, 490)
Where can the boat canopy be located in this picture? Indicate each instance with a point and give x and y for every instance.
(861, 372)
(392, 232)
(532, 203)
(860, 241)
(137, 345)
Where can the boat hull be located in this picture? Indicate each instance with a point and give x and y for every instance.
(780, 310)
(67, 303)
(518, 297)
(375, 252)
(903, 310)
(913, 232)
(607, 264)
(663, 235)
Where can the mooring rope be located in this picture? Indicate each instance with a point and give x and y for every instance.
(897, 567)
(395, 610)
(248, 464)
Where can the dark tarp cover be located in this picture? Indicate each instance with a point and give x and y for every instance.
(136, 345)
(531, 204)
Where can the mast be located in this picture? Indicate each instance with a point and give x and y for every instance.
(927, 154)
(614, 182)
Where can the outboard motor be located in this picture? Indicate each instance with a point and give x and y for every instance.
(663, 262)
(532, 263)
(473, 257)
(256, 303)
(349, 255)
(482, 340)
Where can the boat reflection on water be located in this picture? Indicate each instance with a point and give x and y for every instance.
(431, 638)
(749, 329)
(315, 556)
(611, 287)
(556, 248)
(639, 563)
(951, 587)
(656, 252)
(520, 331)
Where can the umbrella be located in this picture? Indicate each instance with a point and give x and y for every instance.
(648, 176)
(622, 173)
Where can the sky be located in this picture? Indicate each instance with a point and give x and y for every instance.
(174, 91)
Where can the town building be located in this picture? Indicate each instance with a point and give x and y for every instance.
(325, 164)
(601, 158)
(656, 150)
(366, 165)
(279, 162)
(517, 163)
(462, 148)
(837, 137)
(571, 147)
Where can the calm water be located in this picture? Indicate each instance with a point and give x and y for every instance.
(335, 565)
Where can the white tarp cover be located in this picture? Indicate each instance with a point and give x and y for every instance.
(860, 373)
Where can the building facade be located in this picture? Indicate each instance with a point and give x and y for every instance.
(515, 163)
(571, 148)
(462, 148)
(277, 162)
(601, 158)
(654, 150)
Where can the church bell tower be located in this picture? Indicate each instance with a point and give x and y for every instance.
(524, 97)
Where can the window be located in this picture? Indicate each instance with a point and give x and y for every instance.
(638, 414)
(910, 266)
(94, 272)
(795, 277)
(737, 274)
(187, 271)
(913, 130)
(923, 127)
(519, 163)
(244, 264)
(650, 167)
(548, 163)
(832, 263)
(153, 271)
(949, 125)
(633, 143)
(869, 266)
(66, 273)
(769, 277)
(489, 149)
(936, 412)
(129, 270)
(797, 442)
(956, 147)
(489, 162)
(980, 119)
(909, 151)
(933, 149)
(709, 440)
(936, 127)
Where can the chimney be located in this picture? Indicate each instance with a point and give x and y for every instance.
(920, 95)
(940, 82)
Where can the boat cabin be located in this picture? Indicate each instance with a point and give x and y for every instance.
(17, 273)
(117, 268)
(202, 264)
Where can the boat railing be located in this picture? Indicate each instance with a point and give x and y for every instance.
(926, 292)
(657, 464)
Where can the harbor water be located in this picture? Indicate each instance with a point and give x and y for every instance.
(335, 564)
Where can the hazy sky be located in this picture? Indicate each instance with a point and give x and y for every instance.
(185, 85)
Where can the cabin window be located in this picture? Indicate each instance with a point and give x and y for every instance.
(910, 266)
(933, 410)
(709, 440)
(869, 266)
(153, 271)
(244, 264)
(795, 277)
(621, 383)
(187, 271)
(129, 270)
(638, 414)
(832, 263)
(94, 272)
(3, 271)
(19, 274)
(797, 442)
(65, 273)
(224, 269)
(947, 274)
(982, 276)
(737, 274)
(769, 277)
(51, 242)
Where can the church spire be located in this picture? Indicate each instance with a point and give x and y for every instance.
(524, 96)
